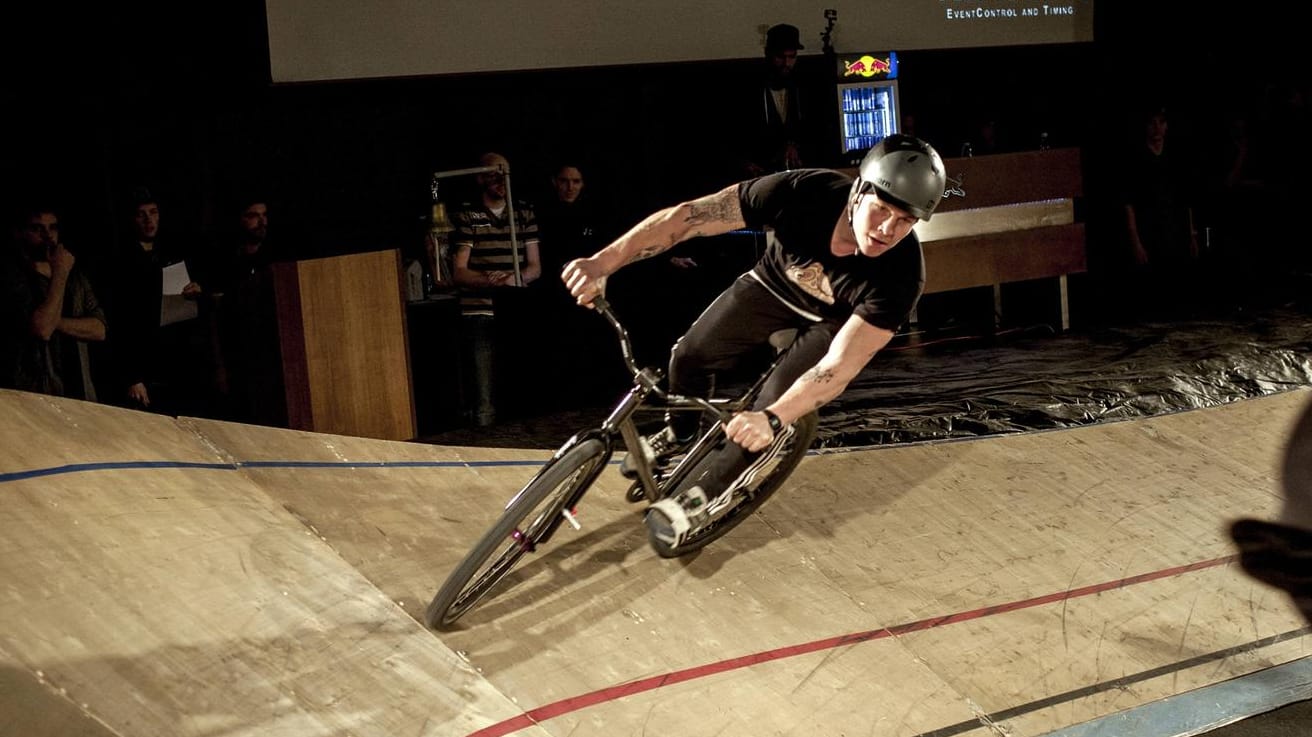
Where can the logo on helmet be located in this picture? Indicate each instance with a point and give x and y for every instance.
(957, 187)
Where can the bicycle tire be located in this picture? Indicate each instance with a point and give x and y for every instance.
(561, 481)
(803, 435)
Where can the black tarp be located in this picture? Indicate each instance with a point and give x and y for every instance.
(1019, 380)
(1039, 380)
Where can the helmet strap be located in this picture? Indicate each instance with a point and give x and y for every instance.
(858, 188)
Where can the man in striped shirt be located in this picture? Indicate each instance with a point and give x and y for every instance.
(495, 247)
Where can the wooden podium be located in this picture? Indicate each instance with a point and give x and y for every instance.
(345, 356)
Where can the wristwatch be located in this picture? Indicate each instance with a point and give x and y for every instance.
(776, 424)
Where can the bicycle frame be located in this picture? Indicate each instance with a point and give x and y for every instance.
(620, 422)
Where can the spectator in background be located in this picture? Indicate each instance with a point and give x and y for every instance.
(908, 124)
(775, 122)
(487, 260)
(568, 221)
(1159, 217)
(249, 357)
(158, 344)
(986, 139)
(50, 312)
(1234, 241)
(571, 226)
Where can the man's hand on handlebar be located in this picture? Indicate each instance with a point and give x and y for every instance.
(751, 430)
(585, 280)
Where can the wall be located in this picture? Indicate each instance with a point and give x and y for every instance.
(180, 97)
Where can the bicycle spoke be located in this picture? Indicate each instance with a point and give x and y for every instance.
(528, 521)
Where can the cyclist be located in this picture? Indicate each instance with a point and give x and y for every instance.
(842, 267)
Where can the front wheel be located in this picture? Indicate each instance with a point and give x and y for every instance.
(532, 515)
(752, 495)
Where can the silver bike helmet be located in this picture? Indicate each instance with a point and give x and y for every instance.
(906, 172)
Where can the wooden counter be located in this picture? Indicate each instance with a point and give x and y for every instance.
(1006, 218)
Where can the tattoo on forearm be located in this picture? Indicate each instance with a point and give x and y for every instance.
(647, 252)
(818, 375)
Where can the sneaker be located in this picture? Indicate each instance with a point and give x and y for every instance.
(670, 520)
(658, 448)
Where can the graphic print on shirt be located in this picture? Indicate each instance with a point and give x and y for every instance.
(812, 280)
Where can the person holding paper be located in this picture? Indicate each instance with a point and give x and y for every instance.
(156, 342)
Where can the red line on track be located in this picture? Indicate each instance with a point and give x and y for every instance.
(576, 703)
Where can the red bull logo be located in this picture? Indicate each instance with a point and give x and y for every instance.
(866, 66)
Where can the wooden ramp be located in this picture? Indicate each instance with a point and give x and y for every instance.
(190, 577)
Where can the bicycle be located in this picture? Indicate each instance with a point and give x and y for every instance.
(551, 497)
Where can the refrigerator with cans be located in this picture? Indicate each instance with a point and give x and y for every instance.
(868, 107)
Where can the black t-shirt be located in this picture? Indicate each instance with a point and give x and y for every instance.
(133, 304)
(1158, 189)
(801, 207)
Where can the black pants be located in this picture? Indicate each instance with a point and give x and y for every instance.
(737, 324)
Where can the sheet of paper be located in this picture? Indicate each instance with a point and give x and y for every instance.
(175, 278)
(176, 308)
(173, 307)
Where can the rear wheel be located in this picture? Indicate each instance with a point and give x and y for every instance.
(529, 517)
(752, 496)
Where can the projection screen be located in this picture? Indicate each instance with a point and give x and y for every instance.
(323, 40)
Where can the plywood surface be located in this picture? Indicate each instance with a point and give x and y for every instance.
(151, 587)
(1035, 580)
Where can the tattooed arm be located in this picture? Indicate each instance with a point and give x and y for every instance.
(710, 215)
(855, 344)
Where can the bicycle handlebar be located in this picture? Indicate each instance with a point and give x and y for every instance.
(626, 347)
(648, 378)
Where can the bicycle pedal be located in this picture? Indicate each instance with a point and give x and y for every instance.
(658, 468)
(635, 494)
